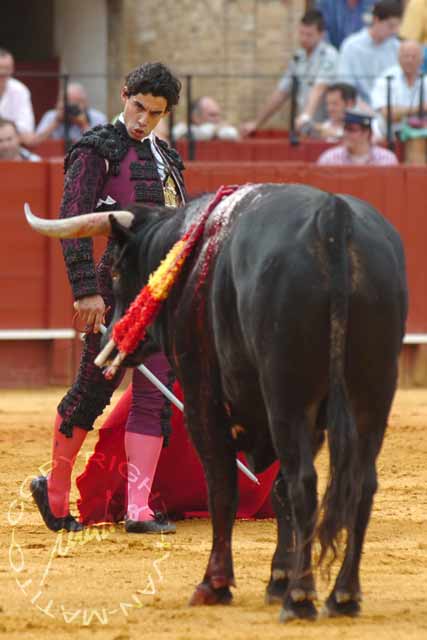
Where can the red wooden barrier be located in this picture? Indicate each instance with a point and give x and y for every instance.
(255, 150)
(270, 133)
(272, 149)
(258, 149)
(23, 258)
(35, 292)
(23, 269)
(50, 149)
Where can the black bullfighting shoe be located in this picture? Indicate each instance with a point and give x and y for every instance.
(160, 524)
(38, 488)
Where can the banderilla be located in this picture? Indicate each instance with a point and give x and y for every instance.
(170, 396)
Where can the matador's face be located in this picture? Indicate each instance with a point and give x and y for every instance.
(142, 112)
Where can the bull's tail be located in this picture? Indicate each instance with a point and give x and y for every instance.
(340, 502)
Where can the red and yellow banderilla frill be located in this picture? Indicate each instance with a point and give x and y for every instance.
(131, 329)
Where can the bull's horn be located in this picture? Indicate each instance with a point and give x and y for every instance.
(84, 226)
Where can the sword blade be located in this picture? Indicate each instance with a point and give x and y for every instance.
(170, 396)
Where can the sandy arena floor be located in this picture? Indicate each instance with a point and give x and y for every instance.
(109, 585)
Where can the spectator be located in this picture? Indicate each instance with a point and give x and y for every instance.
(10, 148)
(314, 65)
(344, 17)
(357, 147)
(405, 89)
(206, 122)
(339, 98)
(366, 54)
(81, 117)
(15, 97)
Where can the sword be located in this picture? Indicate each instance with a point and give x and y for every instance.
(170, 396)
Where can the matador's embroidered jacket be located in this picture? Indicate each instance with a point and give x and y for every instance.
(106, 170)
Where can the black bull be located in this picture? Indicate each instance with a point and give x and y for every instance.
(295, 331)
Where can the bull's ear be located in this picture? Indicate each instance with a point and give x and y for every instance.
(121, 234)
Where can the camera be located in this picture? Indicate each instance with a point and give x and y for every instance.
(73, 110)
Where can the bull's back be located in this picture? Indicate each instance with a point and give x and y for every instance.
(271, 287)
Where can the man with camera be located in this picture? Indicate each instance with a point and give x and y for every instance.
(80, 117)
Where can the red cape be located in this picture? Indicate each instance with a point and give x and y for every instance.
(179, 485)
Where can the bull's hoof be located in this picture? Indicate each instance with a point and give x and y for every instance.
(305, 610)
(276, 590)
(205, 594)
(299, 605)
(341, 603)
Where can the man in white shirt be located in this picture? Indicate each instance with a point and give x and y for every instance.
(314, 65)
(367, 53)
(15, 97)
(406, 92)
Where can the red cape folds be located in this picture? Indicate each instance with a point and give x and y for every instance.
(179, 486)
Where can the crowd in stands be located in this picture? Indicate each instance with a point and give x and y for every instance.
(17, 120)
(313, 64)
(349, 61)
(207, 122)
(362, 57)
(80, 115)
(366, 54)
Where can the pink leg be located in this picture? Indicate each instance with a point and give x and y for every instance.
(64, 453)
(142, 452)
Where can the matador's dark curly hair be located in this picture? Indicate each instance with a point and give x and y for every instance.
(154, 78)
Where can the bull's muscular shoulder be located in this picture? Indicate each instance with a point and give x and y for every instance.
(106, 140)
(172, 154)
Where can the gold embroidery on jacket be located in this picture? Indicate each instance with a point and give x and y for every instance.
(170, 192)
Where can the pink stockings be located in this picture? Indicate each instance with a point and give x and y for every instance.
(142, 452)
(64, 453)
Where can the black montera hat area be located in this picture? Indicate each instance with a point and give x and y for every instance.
(357, 117)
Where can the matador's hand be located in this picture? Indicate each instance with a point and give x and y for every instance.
(91, 312)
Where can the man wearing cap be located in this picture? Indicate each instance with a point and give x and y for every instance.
(357, 147)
